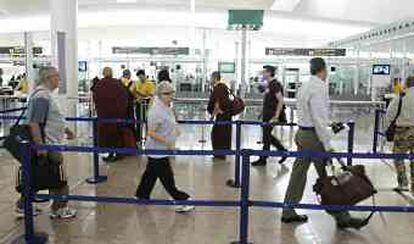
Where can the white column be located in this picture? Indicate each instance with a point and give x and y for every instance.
(356, 75)
(28, 45)
(243, 61)
(64, 14)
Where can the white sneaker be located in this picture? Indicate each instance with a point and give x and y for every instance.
(184, 208)
(63, 213)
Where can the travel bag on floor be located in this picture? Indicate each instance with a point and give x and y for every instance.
(349, 187)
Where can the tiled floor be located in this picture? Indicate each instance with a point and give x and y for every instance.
(205, 179)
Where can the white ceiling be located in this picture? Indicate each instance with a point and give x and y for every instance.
(372, 11)
(376, 11)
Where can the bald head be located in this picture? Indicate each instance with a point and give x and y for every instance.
(107, 72)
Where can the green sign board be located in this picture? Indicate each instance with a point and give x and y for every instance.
(252, 19)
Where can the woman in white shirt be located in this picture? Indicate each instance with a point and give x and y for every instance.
(162, 135)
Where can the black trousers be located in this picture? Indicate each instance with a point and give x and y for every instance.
(269, 139)
(221, 134)
(159, 168)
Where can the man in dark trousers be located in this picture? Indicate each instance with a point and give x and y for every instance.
(273, 111)
(313, 135)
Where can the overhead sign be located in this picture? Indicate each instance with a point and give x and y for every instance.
(324, 52)
(246, 18)
(152, 50)
(19, 51)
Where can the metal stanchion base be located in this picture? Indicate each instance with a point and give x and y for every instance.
(97, 180)
(38, 238)
(239, 242)
(232, 183)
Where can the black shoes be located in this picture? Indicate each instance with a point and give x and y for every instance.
(353, 223)
(260, 162)
(295, 219)
(282, 160)
(112, 158)
(219, 157)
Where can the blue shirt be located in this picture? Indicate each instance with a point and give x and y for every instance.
(162, 121)
(44, 110)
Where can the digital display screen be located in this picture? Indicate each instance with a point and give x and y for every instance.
(381, 69)
(83, 66)
(227, 67)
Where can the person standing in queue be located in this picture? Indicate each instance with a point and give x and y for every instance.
(219, 106)
(1, 78)
(111, 102)
(273, 111)
(404, 133)
(128, 136)
(144, 93)
(313, 135)
(162, 135)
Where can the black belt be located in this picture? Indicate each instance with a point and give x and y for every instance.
(306, 128)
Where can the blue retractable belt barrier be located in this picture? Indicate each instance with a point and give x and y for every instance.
(396, 209)
(12, 110)
(244, 203)
(160, 202)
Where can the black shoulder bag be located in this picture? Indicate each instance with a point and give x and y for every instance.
(18, 133)
(390, 132)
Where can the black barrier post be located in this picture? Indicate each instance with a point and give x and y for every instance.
(96, 178)
(244, 200)
(376, 128)
(236, 182)
(351, 137)
(27, 191)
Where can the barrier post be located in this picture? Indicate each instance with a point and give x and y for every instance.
(244, 199)
(236, 182)
(376, 128)
(96, 178)
(351, 136)
(29, 235)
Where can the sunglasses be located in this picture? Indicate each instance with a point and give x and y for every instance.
(167, 93)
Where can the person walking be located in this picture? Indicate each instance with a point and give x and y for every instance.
(404, 134)
(162, 135)
(219, 107)
(273, 111)
(313, 135)
(47, 126)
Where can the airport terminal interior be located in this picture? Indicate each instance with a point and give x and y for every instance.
(109, 68)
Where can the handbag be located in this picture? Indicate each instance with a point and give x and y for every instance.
(349, 187)
(237, 104)
(390, 132)
(17, 134)
(46, 173)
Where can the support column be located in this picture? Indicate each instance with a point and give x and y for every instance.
(243, 61)
(28, 45)
(356, 74)
(64, 37)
